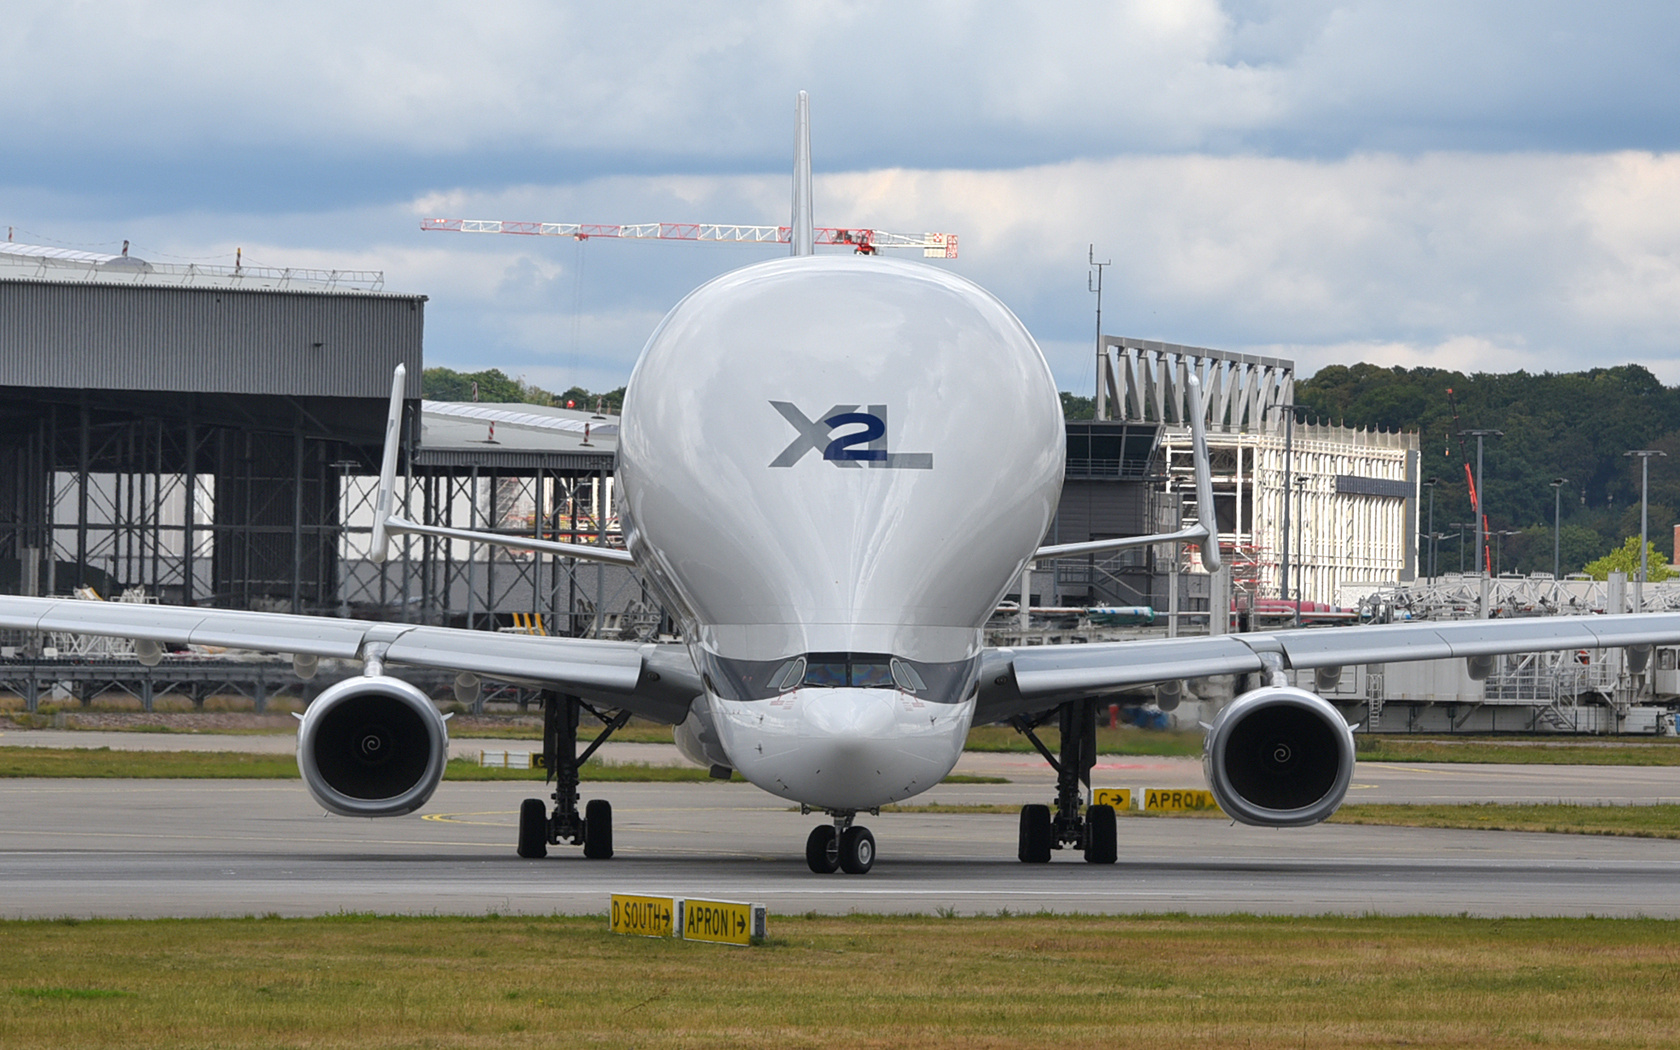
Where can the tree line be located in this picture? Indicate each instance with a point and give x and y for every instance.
(1572, 427)
(1569, 427)
(446, 384)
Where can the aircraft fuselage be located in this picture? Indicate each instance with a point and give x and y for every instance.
(833, 468)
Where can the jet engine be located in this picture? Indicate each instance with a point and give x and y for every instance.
(1279, 757)
(372, 747)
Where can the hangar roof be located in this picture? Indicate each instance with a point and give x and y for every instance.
(514, 436)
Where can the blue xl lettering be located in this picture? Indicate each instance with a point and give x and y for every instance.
(854, 448)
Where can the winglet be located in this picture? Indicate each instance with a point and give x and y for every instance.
(803, 232)
(1205, 516)
(379, 548)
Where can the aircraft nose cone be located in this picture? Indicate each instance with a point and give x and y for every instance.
(853, 719)
(844, 748)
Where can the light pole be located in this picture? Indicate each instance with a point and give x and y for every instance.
(1098, 406)
(1481, 499)
(1434, 543)
(1644, 455)
(1461, 526)
(1288, 469)
(1557, 519)
(1430, 484)
(1300, 530)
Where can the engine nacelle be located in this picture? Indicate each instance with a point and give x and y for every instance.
(697, 738)
(1279, 757)
(372, 747)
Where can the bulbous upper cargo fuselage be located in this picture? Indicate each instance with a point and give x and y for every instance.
(839, 453)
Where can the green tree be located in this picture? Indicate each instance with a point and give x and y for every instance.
(1626, 559)
(446, 384)
(1076, 407)
(494, 385)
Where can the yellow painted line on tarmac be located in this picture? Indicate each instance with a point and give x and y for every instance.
(456, 818)
(1443, 772)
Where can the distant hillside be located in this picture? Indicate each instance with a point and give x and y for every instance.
(1574, 425)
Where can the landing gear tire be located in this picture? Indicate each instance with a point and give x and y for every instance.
(821, 853)
(597, 829)
(533, 829)
(1102, 839)
(857, 851)
(1036, 835)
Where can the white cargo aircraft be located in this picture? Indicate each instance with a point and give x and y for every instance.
(833, 469)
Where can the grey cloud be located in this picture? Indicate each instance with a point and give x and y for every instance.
(672, 86)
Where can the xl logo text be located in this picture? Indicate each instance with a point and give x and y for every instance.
(850, 448)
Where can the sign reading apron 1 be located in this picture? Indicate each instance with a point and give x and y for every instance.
(721, 922)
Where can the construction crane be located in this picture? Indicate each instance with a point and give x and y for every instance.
(862, 241)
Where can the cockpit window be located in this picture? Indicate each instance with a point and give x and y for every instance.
(791, 674)
(858, 670)
(907, 678)
(944, 683)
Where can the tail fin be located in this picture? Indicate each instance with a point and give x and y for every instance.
(388, 469)
(1206, 529)
(803, 231)
(1204, 475)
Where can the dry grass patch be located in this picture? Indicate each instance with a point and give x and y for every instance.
(1656, 822)
(863, 982)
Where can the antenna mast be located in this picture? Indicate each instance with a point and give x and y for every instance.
(1100, 411)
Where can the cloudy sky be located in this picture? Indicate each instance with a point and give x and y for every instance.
(1484, 186)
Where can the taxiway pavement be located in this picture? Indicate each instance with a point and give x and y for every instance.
(158, 848)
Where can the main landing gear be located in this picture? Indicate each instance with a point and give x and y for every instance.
(1093, 831)
(841, 846)
(538, 829)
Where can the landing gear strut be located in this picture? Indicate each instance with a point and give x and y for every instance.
(841, 846)
(538, 829)
(1092, 831)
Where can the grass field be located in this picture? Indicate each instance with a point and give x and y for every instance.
(1518, 750)
(933, 982)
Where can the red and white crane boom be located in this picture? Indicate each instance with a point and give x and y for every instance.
(863, 241)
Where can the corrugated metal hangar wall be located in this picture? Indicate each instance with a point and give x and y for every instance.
(124, 405)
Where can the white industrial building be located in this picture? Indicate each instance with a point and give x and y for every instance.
(1351, 522)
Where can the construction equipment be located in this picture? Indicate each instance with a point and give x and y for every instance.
(861, 240)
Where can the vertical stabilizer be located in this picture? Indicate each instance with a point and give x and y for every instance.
(803, 230)
(1207, 521)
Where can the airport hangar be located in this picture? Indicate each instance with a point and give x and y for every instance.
(211, 436)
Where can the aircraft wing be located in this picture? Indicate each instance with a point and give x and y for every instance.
(655, 681)
(1017, 681)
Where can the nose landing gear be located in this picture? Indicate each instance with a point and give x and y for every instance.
(841, 846)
